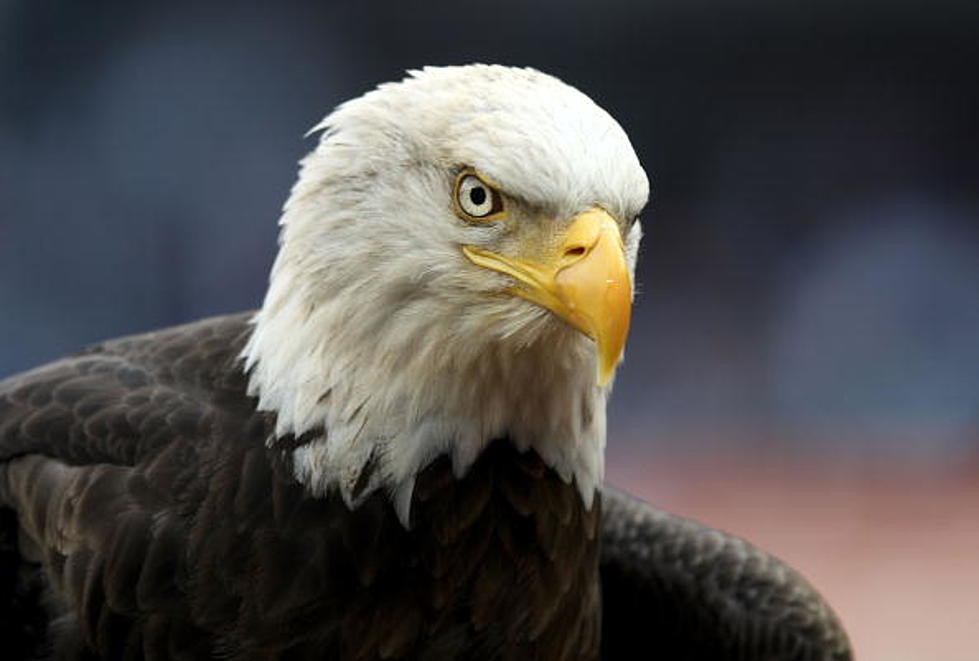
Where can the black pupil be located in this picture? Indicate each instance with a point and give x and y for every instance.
(477, 195)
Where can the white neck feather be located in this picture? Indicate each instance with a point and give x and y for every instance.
(392, 389)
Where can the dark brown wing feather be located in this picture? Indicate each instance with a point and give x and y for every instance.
(102, 463)
(681, 590)
(136, 475)
(165, 528)
(124, 399)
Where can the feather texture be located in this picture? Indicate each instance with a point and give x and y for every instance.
(206, 544)
(170, 530)
(394, 458)
(376, 327)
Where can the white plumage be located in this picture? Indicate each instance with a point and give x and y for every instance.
(419, 352)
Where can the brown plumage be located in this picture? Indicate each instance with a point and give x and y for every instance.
(144, 499)
(166, 527)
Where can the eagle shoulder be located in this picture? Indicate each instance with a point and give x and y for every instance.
(104, 459)
(703, 593)
(122, 399)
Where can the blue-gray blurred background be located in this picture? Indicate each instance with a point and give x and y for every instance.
(809, 283)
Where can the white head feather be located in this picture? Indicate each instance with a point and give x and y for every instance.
(376, 328)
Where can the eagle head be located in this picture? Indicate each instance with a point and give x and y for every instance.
(455, 267)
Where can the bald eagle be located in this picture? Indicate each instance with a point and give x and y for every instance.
(400, 455)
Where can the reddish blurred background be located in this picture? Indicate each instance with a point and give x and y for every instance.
(892, 547)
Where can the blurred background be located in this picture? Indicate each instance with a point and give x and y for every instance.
(804, 363)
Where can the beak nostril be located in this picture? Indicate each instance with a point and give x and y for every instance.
(577, 251)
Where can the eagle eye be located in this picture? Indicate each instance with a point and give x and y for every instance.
(476, 199)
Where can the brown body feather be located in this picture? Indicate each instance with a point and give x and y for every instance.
(137, 487)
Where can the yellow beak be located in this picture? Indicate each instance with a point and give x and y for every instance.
(582, 278)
